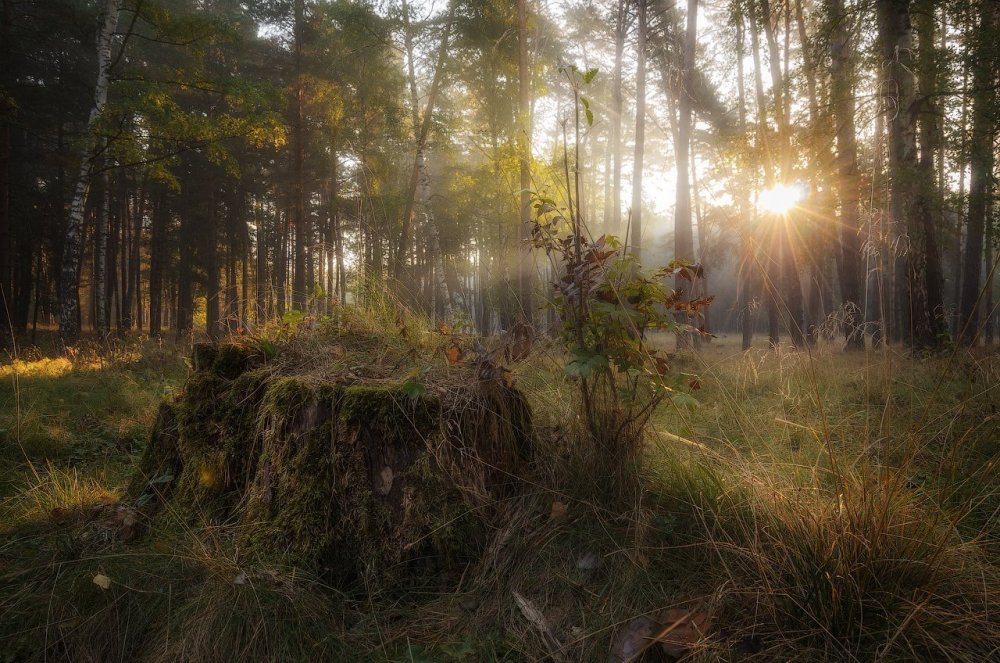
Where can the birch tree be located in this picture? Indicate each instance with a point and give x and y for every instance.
(69, 302)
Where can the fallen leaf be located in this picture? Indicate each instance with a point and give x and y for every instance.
(102, 581)
(454, 354)
(682, 630)
(676, 630)
(633, 640)
(386, 477)
(241, 579)
(559, 511)
(588, 561)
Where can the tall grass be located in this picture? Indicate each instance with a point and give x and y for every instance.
(832, 502)
(818, 506)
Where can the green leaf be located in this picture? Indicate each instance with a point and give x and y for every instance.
(414, 389)
(163, 478)
(590, 75)
(684, 400)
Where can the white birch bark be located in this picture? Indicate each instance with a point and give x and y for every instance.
(69, 304)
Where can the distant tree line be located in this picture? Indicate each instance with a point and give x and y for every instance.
(186, 165)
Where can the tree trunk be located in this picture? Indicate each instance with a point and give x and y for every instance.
(524, 261)
(213, 324)
(989, 325)
(617, 105)
(769, 275)
(984, 106)
(683, 232)
(298, 149)
(905, 197)
(842, 102)
(130, 312)
(101, 320)
(157, 255)
(6, 111)
(402, 248)
(640, 130)
(928, 199)
(69, 296)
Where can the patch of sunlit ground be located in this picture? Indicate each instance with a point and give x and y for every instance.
(44, 367)
(88, 412)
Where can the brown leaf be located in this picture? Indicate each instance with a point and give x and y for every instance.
(102, 581)
(676, 630)
(682, 630)
(559, 511)
(454, 354)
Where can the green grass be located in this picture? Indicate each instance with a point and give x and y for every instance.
(818, 506)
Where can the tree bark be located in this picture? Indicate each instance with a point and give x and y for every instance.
(6, 112)
(640, 129)
(683, 231)
(617, 105)
(984, 106)
(746, 268)
(402, 248)
(213, 321)
(298, 150)
(524, 267)
(842, 101)
(905, 197)
(101, 319)
(928, 197)
(157, 255)
(69, 299)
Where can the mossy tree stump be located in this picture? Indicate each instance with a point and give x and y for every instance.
(347, 479)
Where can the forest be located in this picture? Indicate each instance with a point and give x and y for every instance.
(499, 330)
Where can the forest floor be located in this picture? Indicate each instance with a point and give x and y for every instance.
(811, 505)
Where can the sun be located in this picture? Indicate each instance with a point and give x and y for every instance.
(781, 198)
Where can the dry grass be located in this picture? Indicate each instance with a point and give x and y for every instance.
(819, 506)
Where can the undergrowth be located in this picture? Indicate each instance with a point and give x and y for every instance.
(814, 506)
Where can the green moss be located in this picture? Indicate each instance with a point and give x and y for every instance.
(336, 480)
(297, 491)
(216, 440)
(390, 407)
(161, 460)
(321, 500)
(226, 360)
